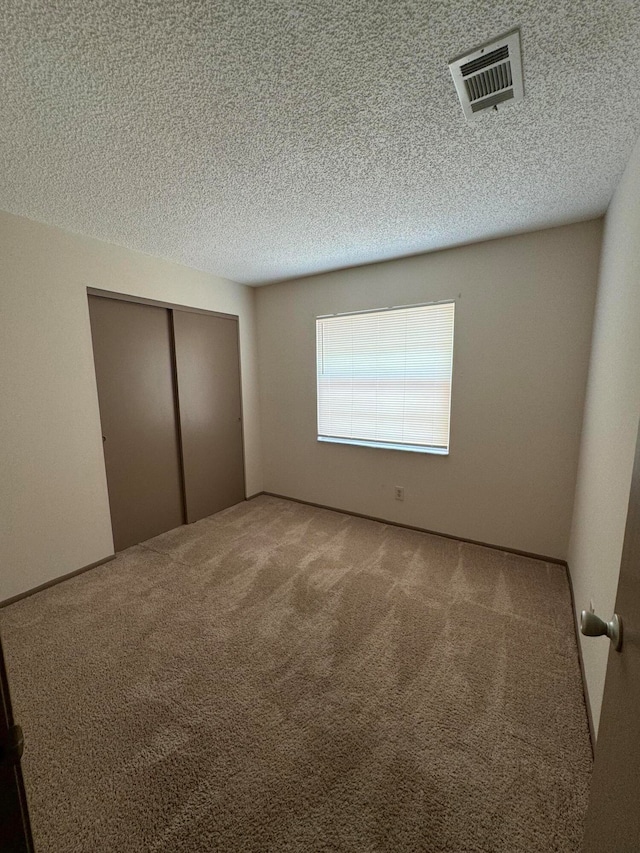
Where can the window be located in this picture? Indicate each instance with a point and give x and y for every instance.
(384, 377)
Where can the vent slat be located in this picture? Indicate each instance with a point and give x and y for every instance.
(498, 98)
(487, 82)
(482, 61)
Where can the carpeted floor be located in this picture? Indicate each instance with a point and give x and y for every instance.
(284, 679)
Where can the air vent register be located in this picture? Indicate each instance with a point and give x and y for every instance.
(489, 75)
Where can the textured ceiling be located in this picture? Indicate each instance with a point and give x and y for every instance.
(262, 140)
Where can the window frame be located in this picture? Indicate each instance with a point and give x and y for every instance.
(413, 447)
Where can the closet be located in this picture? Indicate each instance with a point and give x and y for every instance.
(168, 383)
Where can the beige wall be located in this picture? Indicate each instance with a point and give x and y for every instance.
(523, 328)
(611, 417)
(53, 498)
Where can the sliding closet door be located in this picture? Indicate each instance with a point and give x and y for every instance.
(208, 370)
(133, 355)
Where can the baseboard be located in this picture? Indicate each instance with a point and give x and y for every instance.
(55, 581)
(585, 688)
(256, 495)
(533, 556)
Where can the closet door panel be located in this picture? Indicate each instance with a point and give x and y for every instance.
(133, 355)
(210, 411)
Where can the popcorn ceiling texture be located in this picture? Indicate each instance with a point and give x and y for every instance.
(262, 140)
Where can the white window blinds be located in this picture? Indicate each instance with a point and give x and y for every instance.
(384, 377)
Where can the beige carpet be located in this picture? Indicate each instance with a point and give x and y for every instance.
(284, 678)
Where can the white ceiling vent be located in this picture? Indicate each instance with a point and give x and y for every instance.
(489, 75)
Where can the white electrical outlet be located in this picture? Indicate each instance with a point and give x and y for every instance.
(399, 493)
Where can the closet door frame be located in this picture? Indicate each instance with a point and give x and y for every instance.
(174, 306)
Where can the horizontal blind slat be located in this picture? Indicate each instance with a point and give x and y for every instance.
(386, 376)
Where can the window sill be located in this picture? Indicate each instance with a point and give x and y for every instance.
(386, 445)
